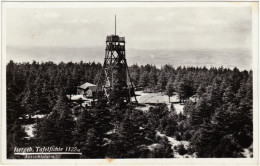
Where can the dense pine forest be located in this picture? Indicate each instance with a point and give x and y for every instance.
(217, 124)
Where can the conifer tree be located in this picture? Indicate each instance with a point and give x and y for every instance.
(152, 78)
(162, 81)
(144, 79)
(169, 90)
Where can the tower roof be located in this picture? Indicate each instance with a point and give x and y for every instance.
(115, 38)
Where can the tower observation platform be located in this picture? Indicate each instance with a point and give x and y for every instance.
(115, 42)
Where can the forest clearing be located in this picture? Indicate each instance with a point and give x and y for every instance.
(158, 97)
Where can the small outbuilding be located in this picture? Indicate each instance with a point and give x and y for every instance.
(87, 89)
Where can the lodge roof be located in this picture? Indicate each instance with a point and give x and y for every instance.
(86, 85)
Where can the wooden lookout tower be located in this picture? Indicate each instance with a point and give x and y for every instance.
(115, 85)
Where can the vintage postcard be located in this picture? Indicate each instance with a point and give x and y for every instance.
(129, 83)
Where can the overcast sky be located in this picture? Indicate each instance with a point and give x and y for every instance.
(74, 34)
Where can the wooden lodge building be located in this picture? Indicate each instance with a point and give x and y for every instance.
(87, 89)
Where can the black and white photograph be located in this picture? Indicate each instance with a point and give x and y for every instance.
(130, 80)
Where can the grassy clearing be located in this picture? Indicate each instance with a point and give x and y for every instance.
(151, 98)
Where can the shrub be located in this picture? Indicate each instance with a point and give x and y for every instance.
(181, 149)
(178, 136)
(187, 135)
